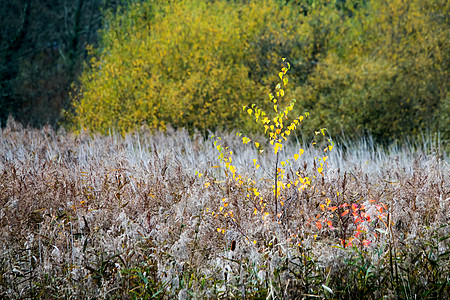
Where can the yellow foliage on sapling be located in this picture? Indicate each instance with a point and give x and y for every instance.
(278, 126)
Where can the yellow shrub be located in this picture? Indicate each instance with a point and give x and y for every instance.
(378, 66)
(186, 63)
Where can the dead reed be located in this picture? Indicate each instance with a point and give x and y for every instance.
(128, 218)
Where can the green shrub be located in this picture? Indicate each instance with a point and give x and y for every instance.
(384, 71)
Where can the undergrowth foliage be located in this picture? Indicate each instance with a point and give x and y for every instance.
(117, 217)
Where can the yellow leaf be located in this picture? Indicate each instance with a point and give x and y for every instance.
(256, 144)
(301, 152)
(296, 156)
(275, 108)
(249, 111)
(278, 147)
(232, 169)
(245, 140)
(207, 184)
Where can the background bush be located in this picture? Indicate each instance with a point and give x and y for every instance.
(188, 63)
(384, 71)
(377, 67)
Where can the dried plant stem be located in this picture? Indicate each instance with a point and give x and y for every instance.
(276, 186)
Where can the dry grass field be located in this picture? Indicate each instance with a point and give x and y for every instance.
(154, 216)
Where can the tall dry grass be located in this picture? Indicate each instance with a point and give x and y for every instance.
(121, 218)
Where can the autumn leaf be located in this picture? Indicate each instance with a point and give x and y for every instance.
(332, 208)
(232, 169)
(277, 147)
(318, 225)
(330, 224)
(366, 243)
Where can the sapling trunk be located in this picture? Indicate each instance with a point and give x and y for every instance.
(276, 186)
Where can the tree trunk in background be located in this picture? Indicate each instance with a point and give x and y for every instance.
(42, 50)
(10, 61)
